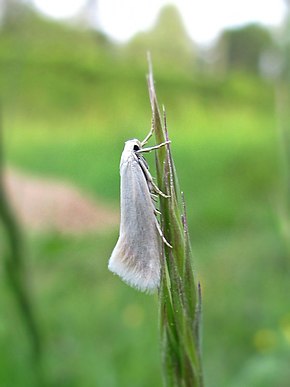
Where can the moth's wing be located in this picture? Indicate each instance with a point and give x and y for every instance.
(136, 256)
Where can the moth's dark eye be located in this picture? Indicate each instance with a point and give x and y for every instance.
(136, 148)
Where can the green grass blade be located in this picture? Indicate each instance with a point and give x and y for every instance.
(15, 269)
(179, 300)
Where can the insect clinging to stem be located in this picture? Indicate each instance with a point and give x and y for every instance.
(136, 256)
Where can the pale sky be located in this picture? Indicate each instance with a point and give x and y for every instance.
(204, 19)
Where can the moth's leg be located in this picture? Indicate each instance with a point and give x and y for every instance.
(151, 148)
(161, 233)
(157, 212)
(149, 135)
(150, 179)
(157, 190)
(153, 197)
(144, 161)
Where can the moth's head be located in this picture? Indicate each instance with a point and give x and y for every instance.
(132, 145)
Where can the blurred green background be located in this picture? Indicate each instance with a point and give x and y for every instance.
(70, 98)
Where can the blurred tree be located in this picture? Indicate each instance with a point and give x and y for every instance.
(168, 41)
(242, 48)
(12, 11)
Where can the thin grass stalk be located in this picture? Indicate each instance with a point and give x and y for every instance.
(179, 298)
(282, 85)
(15, 269)
(282, 107)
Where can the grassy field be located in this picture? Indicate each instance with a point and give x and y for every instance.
(70, 121)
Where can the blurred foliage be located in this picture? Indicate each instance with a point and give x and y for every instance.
(71, 98)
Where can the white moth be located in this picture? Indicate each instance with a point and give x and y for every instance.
(136, 256)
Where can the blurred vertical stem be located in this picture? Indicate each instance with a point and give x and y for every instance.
(283, 115)
(179, 298)
(14, 261)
